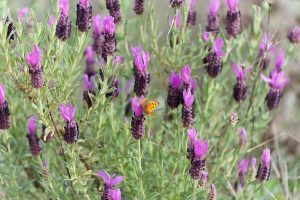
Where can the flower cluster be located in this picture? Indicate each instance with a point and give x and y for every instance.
(109, 193)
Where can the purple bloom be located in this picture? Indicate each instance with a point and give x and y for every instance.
(186, 74)
(188, 98)
(137, 106)
(139, 7)
(212, 193)
(113, 6)
(141, 59)
(67, 113)
(22, 13)
(201, 148)
(84, 3)
(243, 166)
(177, 19)
(115, 194)
(205, 36)
(4, 110)
(240, 72)
(266, 157)
(87, 82)
(34, 58)
(218, 47)
(98, 24)
(294, 35)
(278, 80)
(203, 178)
(232, 5)
(214, 7)
(64, 6)
(119, 60)
(243, 138)
(175, 80)
(109, 25)
(266, 45)
(32, 125)
(89, 54)
(84, 15)
(2, 94)
(51, 20)
(194, 85)
(110, 180)
(192, 133)
(279, 61)
(264, 167)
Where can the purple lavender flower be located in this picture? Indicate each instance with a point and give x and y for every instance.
(84, 15)
(233, 18)
(192, 133)
(203, 178)
(98, 34)
(36, 69)
(252, 166)
(22, 13)
(109, 46)
(4, 110)
(188, 112)
(212, 193)
(243, 138)
(243, 169)
(174, 93)
(51, 21)
(192, 15)
(186, 77)
(142, 78)
(213, 60)
(138, 119)
(63, 26)
(176, 23)
(113, 6)
(33, 139)
(213, 18)
(198, 159)
(265, 47)
(139, 7)
(115, 194)
(264, 168)
(109, 183)
(89, 92)
(175, 3)
(71, 127)
(90, 62)
(280, 58)
(205, 36)
(277, 82)
(294, 34)
(240, 88)
(176, 20)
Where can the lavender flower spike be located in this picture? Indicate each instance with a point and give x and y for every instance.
(109, 182)
(213, 19)
(174, 94)
(243, 169)
(89, 91)
(212, 193)
(240, 88)
(63, 26)
(192, 133)
(198, 159)
(213, 60)
(115, 194)
(138, 119)
(71, 127)
(233, 18)
(200, 149)
(277, 82)
(243, 138)
(84, 15)
(113, 6)
(4, 110)
(36, 69)
(98, 34)
(203, 178)
(294, 35)
(264, 168)
(139, 7)
(33, 138)
(192, 15)
(109, 46)
(45, 170)
(188, 113)
(90, 62)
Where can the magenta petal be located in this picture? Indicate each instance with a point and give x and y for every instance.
(115, 194)
(188, 98)
(32, 125)
(64, 6)
(243, 166)
(87, 82)
(136, 106)
(192, 133)
(265, 78)
(98, 24)
(104, 175)
(34, 58)
(109, 25)
(201, 148)
(236, 69)
(279, 61)
(266, 157)
(117, 180)
(2, 94)
(214, 7)
(186, 74)
(232, 5)
(218, 47)
(175, 80)
(84, 3)
(71, 111)
(51, 20)
(22, 13)
(205, 36)
(194, 85)
(64, 112)
(89, 54)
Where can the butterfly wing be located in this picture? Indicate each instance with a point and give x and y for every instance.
(152, 105)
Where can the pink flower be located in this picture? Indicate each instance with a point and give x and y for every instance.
(98, 24)
(51, 20)
(2, 94)
(84, 3)
(201, 148)
(67, 113)
(205, 36)
(175, 80)
(240, 72)
(136, 104)
(232, 5)
(109, 25)
(218, 47)
(177, 19)
(192, 133)
(243, 166)
(214, 7)
(115, 194)
(64, 6)
(141, 59)
(188, 98)
(110, 180)
(266, 157)
(22, 13)
(279, 61)
(278, 80)
(88, 83)
(186, 74)
(89, 54)
(34, 58)
(32, 125)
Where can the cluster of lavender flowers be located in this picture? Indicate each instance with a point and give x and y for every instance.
(109, 192)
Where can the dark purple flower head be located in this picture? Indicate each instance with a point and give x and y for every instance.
(84, 3)
(67, 113)
(266, 157)
(2, 94)
(141, 59)
(188, 98)
(115, 194)
(110, 180)
(243, 166)
(232, 5)
(280, 58)
(51, 20)
(186, 74)
(32, 125)
(214, 7)
(109, 25)
(240, 72)
(201, 148)
(98, 24)
(22, 13)
(218, 47)
(192, 133)
(64, 6)
(294, 34)
(278, 80)
(175, 80)
(136, 104)
(88, 82)
(89, 54)
(176, 20)
(34, 58)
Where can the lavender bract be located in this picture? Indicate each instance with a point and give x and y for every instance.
(36, 69)
(33, 138)
(138, 119)
(63, 26)
(233, 18)
(84, 15)
(109, 183)
(115, 194)
(98, 34)
(243, 169)
(89, 92)
(198, 160)
(71, 127)
(192, 133)
(4, 110)
(213, 18)
(243, 138)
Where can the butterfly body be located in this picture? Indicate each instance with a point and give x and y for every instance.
(149, 106)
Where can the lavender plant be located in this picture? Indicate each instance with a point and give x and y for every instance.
(203, 140)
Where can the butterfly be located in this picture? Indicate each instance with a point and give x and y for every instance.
(149, 106)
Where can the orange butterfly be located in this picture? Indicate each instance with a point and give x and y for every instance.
(149, 106)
